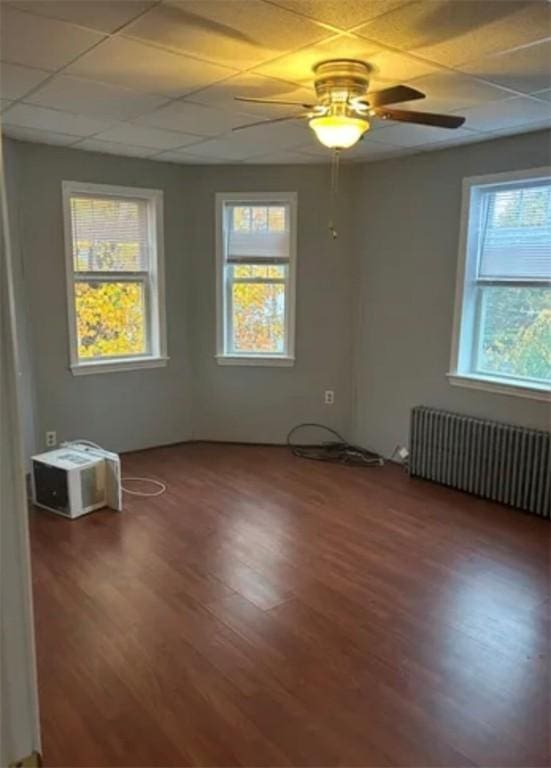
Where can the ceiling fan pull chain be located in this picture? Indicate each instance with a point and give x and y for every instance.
(334, 189)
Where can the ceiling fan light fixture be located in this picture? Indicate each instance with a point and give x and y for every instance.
(338, 131)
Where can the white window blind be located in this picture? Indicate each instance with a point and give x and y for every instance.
(257, 234)
(109, 234)
(515, 240)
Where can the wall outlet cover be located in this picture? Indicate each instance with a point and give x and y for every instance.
(51, 439)
(329, 397)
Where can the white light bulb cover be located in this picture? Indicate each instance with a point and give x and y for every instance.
(338, 131)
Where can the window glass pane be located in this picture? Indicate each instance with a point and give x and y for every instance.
(277, 218)
(111, 319)
(276, 271)
(258, 317)
(516, 233)
(259, 219)
(515, 332)
(109, 234)
(241, 218)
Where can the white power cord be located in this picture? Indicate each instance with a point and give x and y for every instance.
(161, 486)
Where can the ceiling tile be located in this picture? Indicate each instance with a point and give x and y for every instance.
(237, 33)
(194, 118)
(95, 99)
(451, 33)
(449, 91)
(127, 133)
(288, 157)
(40, 118)
(188, 159)
(39, 137)
(223, 95)
(134, 65)
(503, 114)
(537, 125)
(96, 14)
(297, 67)
(526, 69)
(16, 81)
(545, 95)
(113, 148)
(408, 135)
(367, 150)
(255, 141)
(343, 14)
(389, 67)
(43, 43)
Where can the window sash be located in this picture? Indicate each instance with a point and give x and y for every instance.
(476, 365)
(139, 278)
(230, 281)
(251, 246)
(505, 251)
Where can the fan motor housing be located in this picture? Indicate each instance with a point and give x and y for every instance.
(338, 80)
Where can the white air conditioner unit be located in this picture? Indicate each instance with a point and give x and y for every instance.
(76, 479)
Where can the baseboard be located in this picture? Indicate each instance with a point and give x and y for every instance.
(199, 441)
(31, 761)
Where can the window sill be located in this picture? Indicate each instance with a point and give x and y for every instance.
(112, 366)
(500, 386)
(261, 360)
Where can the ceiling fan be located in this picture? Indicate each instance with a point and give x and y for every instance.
(344, 104)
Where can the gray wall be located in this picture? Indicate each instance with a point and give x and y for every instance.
(193, 396)
(406, 224)
(263, 403)
(374, 308)
(122, 411)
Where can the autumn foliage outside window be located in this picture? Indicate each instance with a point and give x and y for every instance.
(113, 276)
(256, 276)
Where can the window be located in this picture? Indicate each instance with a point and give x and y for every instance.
(502, 335)
(256, 262)
(113, 244)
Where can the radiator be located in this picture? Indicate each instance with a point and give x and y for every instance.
(493, 460)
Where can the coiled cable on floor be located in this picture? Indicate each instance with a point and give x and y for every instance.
(339, 451)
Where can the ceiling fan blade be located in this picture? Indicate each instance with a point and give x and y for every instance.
(422, 118)
(391, 96)
(274, 101)
(268, 122)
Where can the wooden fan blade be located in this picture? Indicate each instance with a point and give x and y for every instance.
(422, 118)
(274, 101)
(391, 96)
(268, 122)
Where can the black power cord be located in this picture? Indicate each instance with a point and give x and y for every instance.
(338, 451)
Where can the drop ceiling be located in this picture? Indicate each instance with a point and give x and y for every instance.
(157, 79)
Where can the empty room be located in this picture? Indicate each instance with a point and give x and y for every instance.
(275, 383)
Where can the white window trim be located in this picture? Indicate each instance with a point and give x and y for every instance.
(157, 322)
(284, 360)
(458, 375)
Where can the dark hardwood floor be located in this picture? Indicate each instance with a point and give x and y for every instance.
(270, 611)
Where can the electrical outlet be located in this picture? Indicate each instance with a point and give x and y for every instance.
(403, 453)
(51, 439)
(329, 397)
